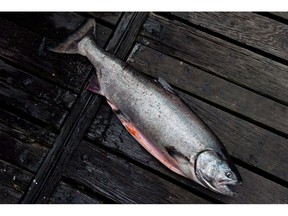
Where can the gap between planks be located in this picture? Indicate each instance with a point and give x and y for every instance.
(81, 116)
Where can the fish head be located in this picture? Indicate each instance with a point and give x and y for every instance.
(215, 172)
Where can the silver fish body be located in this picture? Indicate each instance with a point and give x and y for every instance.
(157, 118)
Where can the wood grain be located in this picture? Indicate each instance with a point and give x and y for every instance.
(67, 194)
(126, 33)
(25, 130)
(109, 17)
(34, 86)
(251, 29)
(221, 92)
(29, 51)
(108, 175)
(219, 57)
(243, 140)
(55, 162)
(51, 114)
(28, 155)
(107, 130)
(13, 183)
(55, 25)
(283, 15)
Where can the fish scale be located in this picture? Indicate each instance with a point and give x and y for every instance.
(155, 116)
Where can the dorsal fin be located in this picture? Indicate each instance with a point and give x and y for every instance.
(166, 85)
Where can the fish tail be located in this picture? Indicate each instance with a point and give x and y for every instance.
(70, 45)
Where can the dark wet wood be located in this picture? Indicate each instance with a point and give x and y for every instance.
(30, 52)
(66, 142)
(107, 130)
(236, 86)
(283, 15)
(126, 33)
(248, 28)
(109, 17)
(58, 157)
(13, 182)
(24, 130)
(117, 179)
(209, 87)
(27, 155)
(56, 25)
(219, 57)
(18, 79)
(67, 194)
(51, 114)
(245, 141)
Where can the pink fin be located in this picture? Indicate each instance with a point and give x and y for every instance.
(94, 85)
(169, 162)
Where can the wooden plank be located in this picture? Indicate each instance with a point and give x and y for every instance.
(219, 57)
(24, 130)
(13, 182)
(30, 52)
(121, 181)
(107, 130)
(283, 15)
(81, 116)
(50, 114)
(225, 94)
(251, 29)
(29, 155)
(109, 17)
(18, 79)
(66, 194)
(55, 25)
(126, 33)
(245, 141)
(58, 157)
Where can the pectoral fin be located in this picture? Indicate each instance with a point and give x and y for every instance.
(163, 157)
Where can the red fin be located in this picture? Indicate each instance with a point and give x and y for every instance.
(169, 162)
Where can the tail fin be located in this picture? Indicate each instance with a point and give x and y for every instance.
(70, 45)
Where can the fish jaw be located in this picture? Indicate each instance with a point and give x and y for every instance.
(214, 172)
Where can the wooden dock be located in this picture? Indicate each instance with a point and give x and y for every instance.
(60, 143)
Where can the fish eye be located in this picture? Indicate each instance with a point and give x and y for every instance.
(228, 174)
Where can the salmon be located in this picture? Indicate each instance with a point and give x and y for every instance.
(156, 116)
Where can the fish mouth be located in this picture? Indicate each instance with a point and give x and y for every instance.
(225, 187)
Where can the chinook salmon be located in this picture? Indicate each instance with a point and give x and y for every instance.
(155, 116)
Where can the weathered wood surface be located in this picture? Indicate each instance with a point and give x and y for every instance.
(58, 157)
(24, 130)
(55, 163)
(27, 155)
(29, 51)
(283, 15)
(209, 87)
(13, 182)
(214, 55)
(248, 28)
(56, 25)
(67, 194)
(109, 17)
(223, 79)
(125, 34)
(30, 95)
(107, 130)
(122, 181)
(18, 79)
